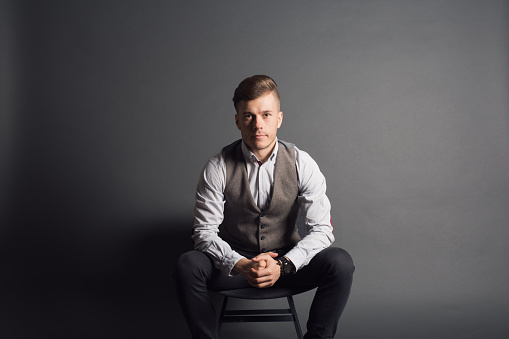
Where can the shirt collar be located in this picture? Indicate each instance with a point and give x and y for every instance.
(249, 156)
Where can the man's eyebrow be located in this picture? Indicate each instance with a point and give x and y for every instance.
(263, 112)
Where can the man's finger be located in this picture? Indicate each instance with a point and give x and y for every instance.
(266, 254)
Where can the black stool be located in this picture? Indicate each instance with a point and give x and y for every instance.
(265, 315)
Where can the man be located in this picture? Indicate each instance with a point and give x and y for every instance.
(244, 233)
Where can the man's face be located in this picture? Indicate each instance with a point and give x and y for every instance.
(258, 121)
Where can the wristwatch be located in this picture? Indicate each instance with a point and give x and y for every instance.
(287, 267)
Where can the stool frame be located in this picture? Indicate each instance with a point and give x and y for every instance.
(262, 315)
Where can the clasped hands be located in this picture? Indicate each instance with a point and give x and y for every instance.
(261, 271)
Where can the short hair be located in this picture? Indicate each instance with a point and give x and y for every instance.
(254, 87)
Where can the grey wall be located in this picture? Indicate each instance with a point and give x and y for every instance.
(110, 109)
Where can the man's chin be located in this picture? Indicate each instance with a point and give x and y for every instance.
(260, 146)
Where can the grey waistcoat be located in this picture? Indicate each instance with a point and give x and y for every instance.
(247, 228)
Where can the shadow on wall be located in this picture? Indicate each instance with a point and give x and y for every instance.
(120, 289)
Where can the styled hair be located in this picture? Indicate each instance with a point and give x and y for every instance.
(254, 87)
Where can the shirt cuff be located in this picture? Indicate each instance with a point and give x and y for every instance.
(229, 262)
(297, 258)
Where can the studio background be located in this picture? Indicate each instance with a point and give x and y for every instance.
(110, 109)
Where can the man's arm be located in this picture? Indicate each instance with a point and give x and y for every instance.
(315, 209)
(208, 215)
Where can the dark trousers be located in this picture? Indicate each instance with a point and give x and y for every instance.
(331, 270)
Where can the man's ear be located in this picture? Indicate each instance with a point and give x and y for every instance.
(279, 119)
(237, 122)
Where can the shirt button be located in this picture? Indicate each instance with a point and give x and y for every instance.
(262, 227)
(262, 238)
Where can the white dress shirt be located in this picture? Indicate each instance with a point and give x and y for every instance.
(313, 203)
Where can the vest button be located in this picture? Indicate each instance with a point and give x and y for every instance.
(262, 215)
(262, 238)
(263, 250)
(262, 227)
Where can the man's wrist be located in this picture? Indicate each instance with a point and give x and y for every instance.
(239, 265)
(286, 266)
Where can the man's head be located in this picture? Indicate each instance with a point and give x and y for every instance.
(258, 117)
(254, 87)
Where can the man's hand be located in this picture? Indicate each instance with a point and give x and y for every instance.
(261, 271)
(267, 276)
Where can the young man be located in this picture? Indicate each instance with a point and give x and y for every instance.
(244, 233)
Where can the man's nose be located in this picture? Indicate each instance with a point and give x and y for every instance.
(258, 123)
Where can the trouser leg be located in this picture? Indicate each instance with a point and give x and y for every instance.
(336, 270)
(195, 275)
(193, 271)
(332, 271)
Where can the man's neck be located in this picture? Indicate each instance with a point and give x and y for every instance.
(264, 154)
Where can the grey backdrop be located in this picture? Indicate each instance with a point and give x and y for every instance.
(111, 108)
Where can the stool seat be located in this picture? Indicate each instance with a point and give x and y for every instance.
(263, 293)
(264, 315)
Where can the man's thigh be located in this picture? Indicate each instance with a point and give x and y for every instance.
(323, 263)
(216, 280)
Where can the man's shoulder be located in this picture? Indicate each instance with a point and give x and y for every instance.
(286, 144)
(216, 161)
(232, 153)
(299, 153)
(231, 146)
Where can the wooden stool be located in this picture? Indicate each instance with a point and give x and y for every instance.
(265, 315)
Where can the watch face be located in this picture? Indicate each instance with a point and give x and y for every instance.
(288, 269)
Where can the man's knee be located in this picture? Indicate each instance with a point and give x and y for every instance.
(339, 261)
(193, 264)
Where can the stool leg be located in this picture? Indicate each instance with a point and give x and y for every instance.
(295, 317)
(220, 322)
